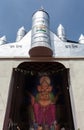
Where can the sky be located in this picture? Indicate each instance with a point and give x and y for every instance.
(17, 13)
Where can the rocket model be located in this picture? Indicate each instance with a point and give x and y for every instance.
(61, 32)
(3, 40)
(81, 39)
(20, 34)
(40, 37)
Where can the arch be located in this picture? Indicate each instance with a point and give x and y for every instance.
(25, 78)
(41, 66)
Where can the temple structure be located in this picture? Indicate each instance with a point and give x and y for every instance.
(37, 53)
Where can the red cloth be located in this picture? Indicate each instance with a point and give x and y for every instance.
(44, 115)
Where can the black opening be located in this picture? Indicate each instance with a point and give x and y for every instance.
(24, 81)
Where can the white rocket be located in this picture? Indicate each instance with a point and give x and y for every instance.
(3, 40)
(20, 34)
(61, 32)
(81, 39)
(40, 38)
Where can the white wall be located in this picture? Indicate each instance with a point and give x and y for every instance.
(77, 86)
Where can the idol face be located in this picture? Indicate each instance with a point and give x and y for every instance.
(44, 88)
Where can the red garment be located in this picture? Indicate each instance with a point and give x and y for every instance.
(44, 115)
